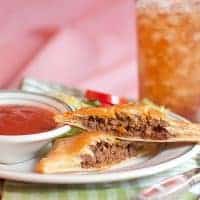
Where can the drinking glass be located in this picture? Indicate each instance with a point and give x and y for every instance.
(169, 54)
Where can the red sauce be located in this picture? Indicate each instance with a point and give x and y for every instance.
(24, 120)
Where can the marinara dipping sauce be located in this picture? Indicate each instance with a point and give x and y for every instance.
(25, 119)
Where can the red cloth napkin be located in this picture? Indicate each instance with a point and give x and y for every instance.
(88, 44)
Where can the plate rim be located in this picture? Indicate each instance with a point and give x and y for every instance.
(99, 178)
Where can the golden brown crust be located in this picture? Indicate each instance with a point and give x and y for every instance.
(125, 120)
(134, 122)
(65, 153)
(73, 145)
(110, 112)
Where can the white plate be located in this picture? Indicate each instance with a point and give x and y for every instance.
(169, 157)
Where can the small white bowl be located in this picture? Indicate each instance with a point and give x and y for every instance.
(23, 147)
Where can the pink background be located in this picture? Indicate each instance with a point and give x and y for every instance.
(84, 43)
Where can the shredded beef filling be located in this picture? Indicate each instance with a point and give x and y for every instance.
(105, 153)
(135, 125)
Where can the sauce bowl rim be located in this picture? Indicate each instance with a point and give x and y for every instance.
(40, 136)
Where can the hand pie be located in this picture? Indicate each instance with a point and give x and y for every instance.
(90, 151)
(133, 122)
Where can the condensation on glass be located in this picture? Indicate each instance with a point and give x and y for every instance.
(169, 54)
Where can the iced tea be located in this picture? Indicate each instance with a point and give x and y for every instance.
(169, 54)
